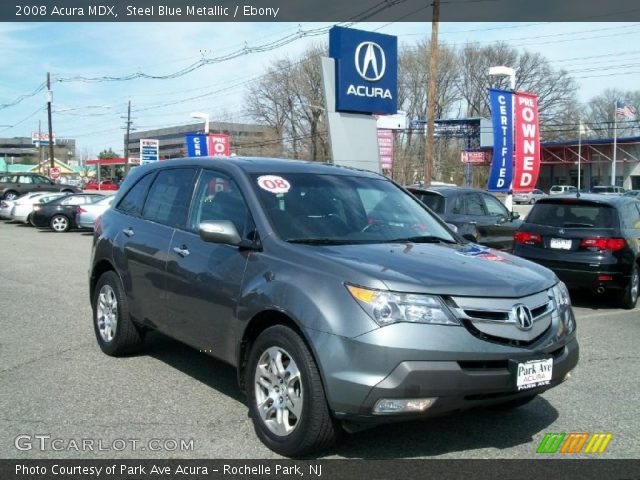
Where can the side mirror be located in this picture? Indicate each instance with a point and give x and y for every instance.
(515, 215)
(219, 231)
(452, 227)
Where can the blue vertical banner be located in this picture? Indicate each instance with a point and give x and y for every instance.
(196, 145)
(501, 173)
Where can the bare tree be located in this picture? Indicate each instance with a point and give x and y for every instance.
(600, 113)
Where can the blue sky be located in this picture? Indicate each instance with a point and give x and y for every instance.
(599, 56)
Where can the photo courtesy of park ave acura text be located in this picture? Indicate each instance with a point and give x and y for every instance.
(375, 239)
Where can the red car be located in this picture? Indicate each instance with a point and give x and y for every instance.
(104, 185)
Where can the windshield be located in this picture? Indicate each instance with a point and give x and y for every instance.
(339, 209)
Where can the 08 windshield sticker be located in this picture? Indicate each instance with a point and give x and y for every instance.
(273, 184)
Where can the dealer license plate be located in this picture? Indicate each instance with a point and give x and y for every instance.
(534, 373)
(560, 243)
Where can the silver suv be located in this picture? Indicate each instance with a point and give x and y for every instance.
(560, 189)
(342, 300)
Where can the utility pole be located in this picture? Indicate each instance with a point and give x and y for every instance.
(40, 151)
(126, 141)
(49, 101)
(431, 101)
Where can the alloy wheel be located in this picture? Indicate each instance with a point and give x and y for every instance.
(278, 391)
(107, 313)
(60, 224)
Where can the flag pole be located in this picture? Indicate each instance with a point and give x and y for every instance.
(615, 142)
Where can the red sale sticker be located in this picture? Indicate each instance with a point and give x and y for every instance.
(273, 184)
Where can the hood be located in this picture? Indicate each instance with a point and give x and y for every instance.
(467, 270)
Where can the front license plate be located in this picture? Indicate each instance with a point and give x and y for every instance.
(534, 373)
(560, 243)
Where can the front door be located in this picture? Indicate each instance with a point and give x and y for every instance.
(204, 280)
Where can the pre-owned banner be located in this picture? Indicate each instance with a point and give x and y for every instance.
(527, 142)
(501, 173)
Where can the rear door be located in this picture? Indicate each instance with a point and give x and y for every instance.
(500, 227)
(204, 280)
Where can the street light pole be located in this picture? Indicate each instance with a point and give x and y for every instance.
(202, 116)
(431, 100)
(52, 163)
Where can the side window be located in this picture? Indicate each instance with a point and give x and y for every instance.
(218, 198)
(133, 201)
(630, 216)
(473, 204)
(495, 206)
(169, 197)
(73, 200)
(41, 180)
(26, 179)
(458, 205)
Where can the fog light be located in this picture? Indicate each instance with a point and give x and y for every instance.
(403, 405)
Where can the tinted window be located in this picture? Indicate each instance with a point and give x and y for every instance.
(630, 216)
(573, 215)
(169, 197)
(432, 200)
(133, 201)
(495, 206)
(473, 204)
(218, 198)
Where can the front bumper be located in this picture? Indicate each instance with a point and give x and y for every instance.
(424, 361)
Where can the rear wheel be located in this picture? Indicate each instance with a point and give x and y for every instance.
(60, 224)
(115, 331)
(10, 195)
(630, 294)
(285, 394)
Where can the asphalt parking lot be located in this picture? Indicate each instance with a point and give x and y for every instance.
(55, 381)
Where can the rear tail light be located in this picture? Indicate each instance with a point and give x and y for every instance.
(527, 238)
(611, 244)
(37, 208)
(605, 278)
(80, 210)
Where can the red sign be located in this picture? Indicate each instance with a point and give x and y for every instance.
(526, 142)
(218, 145)
(54, 173)
(472, 157)
(385, 148)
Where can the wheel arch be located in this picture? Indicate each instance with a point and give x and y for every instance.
(98, 270)
(258, 324)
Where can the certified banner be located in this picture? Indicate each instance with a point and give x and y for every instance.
(196, 145)
(501, 173)
(527, 142)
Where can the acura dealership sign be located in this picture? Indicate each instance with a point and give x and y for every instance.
(366, 70)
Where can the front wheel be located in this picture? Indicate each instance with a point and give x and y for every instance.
(11, 195)
(286, 398)
(630, 294)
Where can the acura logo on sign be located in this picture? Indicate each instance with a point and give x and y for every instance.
(523, 317)
(372, 65)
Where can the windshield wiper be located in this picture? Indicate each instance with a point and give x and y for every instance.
(422, 239)
(320, 241)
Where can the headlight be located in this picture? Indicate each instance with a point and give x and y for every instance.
(387, 307)
(561, 296)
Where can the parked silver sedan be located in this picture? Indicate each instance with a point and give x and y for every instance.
(86, 214)
(23, 206)
(529, 198)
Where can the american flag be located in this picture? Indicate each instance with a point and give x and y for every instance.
(624, 110)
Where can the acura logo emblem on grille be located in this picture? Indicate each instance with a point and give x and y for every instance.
(523, 317)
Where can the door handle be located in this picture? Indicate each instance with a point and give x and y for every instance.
(128, 232)
(473, 223)
(182, 251)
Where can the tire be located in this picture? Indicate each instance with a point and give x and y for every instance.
(31, 222)
(297, 423)
(115, 331)
(532, 201)
(515, 403)
(10, 195)
(629, 297)
(60, 223)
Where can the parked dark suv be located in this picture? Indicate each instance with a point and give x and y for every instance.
(479, 216)
(341, 300)
(591, 241)
(13, 185)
